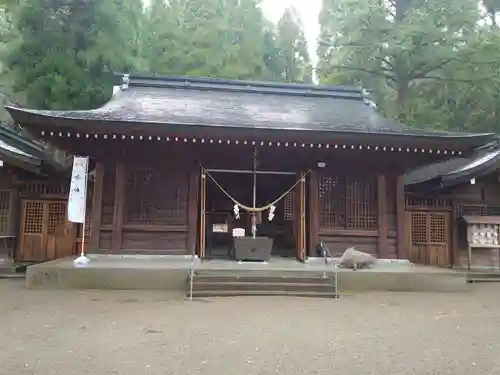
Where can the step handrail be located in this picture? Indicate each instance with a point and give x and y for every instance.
(326, 255)
(191, 276)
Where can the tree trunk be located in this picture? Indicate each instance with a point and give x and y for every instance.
(403, 94)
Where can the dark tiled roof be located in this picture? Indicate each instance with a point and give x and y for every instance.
(218, 103)
(455, 171)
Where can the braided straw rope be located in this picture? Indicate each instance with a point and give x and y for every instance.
(256, 209)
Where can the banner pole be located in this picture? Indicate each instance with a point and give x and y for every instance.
(81, 197)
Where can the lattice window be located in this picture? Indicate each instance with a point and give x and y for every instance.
(288, 206)
(347, 203)
(419, 228)
(157, 198)
(361, 205)
(331, 195)
(437, 228)
(428, 228)
(5, 212)
(33, 217)
(57, 215)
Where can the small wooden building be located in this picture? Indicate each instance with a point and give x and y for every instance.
(170, 154)
(443, 198)
(27, 183)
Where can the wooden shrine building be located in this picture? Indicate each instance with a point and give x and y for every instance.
(442, 198)
(29, 172)
(171, 155)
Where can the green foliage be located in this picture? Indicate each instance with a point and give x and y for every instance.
(292, 47)
(211, 38)
(430, 63)
(66, 50)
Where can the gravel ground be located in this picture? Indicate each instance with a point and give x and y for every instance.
(127, 332)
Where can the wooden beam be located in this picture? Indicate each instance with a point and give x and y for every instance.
(382, 216)
(313, 212)
(96, 215)
(194, 189)
(401, 217)
(118, 208)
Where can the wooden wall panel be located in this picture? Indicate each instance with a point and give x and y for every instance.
(337, 244)
(194, 194)
(105, 241)
(96, 214)
(382, 216)
(172, 243)
(108, 194)
(313, 213)
(401, 218)
(119, 207)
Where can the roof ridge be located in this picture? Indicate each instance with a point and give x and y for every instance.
(231, 85)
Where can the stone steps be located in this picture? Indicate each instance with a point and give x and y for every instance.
(221, 285)
(13, 271)
(483, 276)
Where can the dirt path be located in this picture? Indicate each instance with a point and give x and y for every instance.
(115, 332)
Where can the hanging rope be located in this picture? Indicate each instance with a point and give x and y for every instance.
(256, 209)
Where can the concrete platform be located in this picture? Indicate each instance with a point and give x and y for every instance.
(172, 273)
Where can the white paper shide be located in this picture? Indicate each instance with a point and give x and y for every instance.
(78, 190)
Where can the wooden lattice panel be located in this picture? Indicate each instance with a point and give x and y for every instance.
(418, 201)
(157, 198)
(428, 228)
(418, 228)
(288, 206)
(56, 216)
(44, 188)
(361, 205)
(33, 217)
(347, 203)
(437, 228)
(331, 196)
(5, 211)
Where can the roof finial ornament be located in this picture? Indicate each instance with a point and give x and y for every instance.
(125, 81)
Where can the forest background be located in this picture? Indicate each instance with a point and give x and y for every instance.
(432, 64)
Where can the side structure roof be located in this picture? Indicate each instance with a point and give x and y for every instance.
(22, 152)
(455, 171)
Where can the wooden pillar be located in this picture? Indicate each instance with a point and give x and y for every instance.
(455, 252)
(313, 213)
(194, 188)
(118, 209)
(300, 198)
(203, 193)
(96, 215)
(382, 216)
(401, 218)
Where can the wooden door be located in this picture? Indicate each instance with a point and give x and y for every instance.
(300, 218)
(45, 232)
(429, 238)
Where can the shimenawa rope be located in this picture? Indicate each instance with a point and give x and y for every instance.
(256, 209)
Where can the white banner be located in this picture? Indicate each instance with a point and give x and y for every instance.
(77, 201)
